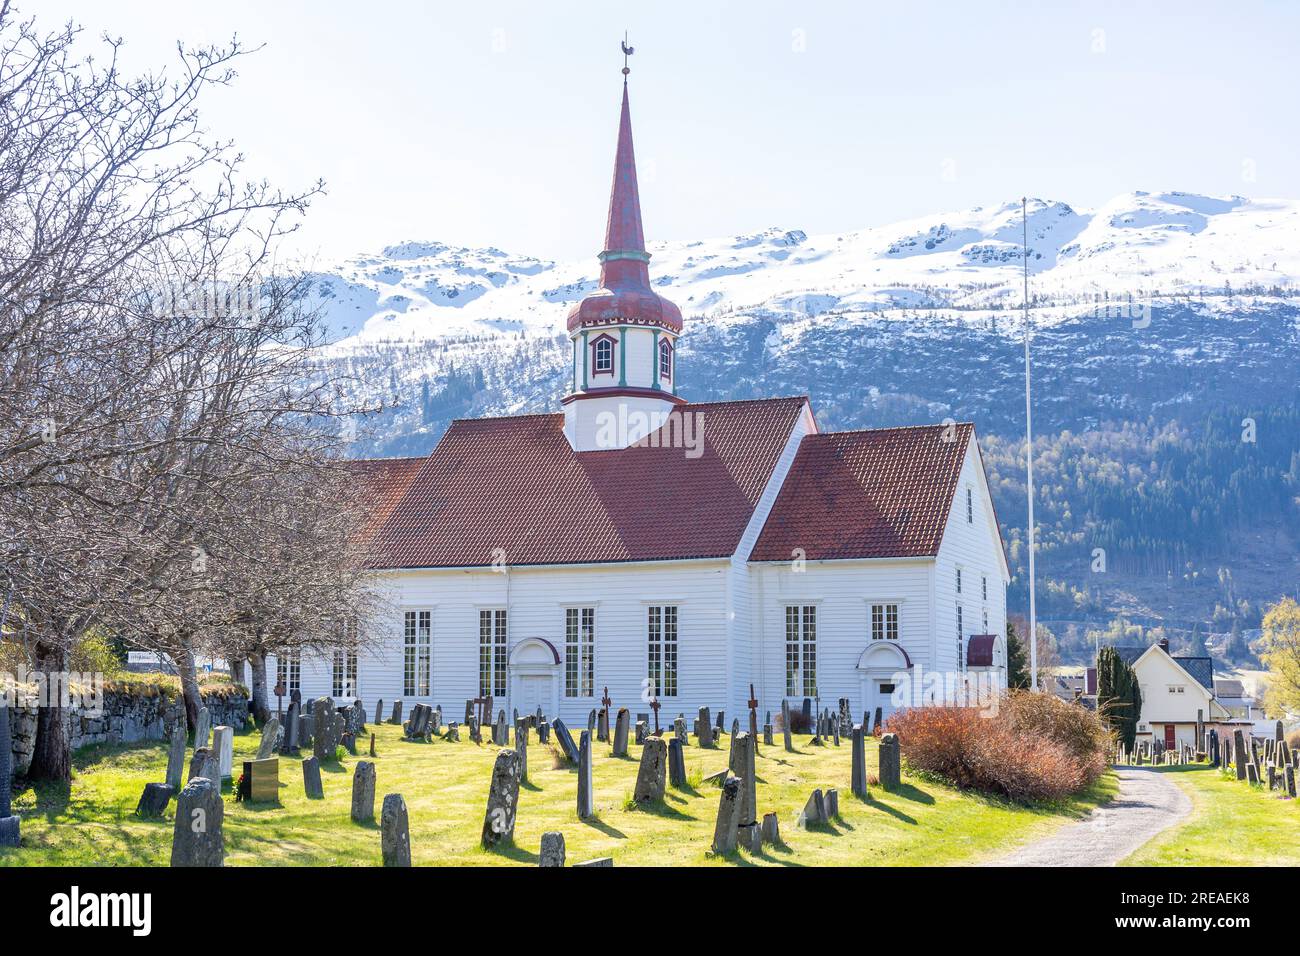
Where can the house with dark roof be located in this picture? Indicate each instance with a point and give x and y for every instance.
(640, 547)
(1179, 702)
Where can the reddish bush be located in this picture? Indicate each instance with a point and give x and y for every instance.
(1024, 752)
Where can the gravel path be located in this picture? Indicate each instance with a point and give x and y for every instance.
(1148, 802)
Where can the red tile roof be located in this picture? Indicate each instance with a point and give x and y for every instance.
(516, 484)
(880, 493)
(381, 482)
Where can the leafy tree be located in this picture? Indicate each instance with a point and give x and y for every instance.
(1017, 658)
(1281, 655)
(1119, 698)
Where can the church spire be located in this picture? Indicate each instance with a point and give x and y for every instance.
(623, 230)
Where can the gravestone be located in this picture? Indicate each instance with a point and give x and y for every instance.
(324, 743)
(289, 739)
(262, 780)
(717, 779)
(676, 763)
(858, 776)
(620, 733)
(521, 747)
(475, 731)
(879, 715)
(565, 741)
(1278, 736)
(679, 730)
(767, 734)
(602, 725)
(724, 830)
(350, 743)
(1290, 780)
(394, 831)
(500, 735)
(742, 766)
(543, 732)
(835, 732)
(205, 764)
(202, 727)
(270, 737)
(175, 757)
(591, 721)
(10, 827)
(814, 811)
(650, 776)
(771, 829)
(453, 732)
(363, 792)
(704, 729)
(735, 730)
(153, 801)
(552, 853)
(891, 764)
(807, 711)
(372, 745)
(435, 720)
(785, 724)
(379, 711)
(311, 779)
(1239, 759)
(198, 838)
(1214, 748)
(502, 802)
(397, 719)
(832, 804)
(641, 731)
(600, 861)
(586, 796)
(1252, 773)
(722, 716)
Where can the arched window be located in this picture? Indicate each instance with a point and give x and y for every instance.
(602, 356)
(665, 359)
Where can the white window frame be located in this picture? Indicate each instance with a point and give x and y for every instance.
(800, 648)
(884, 619)
(417, 652)
(580, 651)
(493, 652)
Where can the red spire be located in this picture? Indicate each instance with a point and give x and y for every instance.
(623, 231)
(625, 295)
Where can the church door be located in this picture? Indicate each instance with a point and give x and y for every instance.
(1170, 742)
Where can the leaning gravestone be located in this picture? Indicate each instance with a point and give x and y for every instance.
(724, 830)
(311, 779)
(891, 767)
(676, 763)
(552, 849)
(503, 801)
(153, 801)
(270, 734)
(363, 792)
(814, 811)
(785, 724)
(395, 831)
(566, 741)
(620, 732)
(650, 775)
(586, 796)
(201, 728)
(9, 823)
(197, 835)
(175, 757)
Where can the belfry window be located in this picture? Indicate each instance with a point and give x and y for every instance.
(665, 359)
(602, 360)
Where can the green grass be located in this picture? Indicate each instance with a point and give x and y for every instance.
(445, 786)
(1232, 824)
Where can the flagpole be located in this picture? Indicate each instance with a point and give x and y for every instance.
(1029, 460)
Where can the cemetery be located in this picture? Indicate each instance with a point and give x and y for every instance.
(526, 793)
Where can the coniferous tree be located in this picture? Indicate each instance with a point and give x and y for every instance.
(1119, 698)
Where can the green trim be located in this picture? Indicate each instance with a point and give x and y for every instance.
(584, 359)
(622, 355)
(573, 366)
(635, 254)
(654, 362)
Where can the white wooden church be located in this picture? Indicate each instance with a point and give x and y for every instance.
(672, 550)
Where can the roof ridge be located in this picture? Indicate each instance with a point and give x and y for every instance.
(886, 428)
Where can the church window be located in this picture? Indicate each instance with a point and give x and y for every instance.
(665, 359)
(970, 506)
(959, 580)
(579, 651)
(960, 661)
(662, 650)
(416, 639)
(884, 622)
(492, 653)
(288, 671)
(602, 361)
(345, 674)
(984, 586)
(801, 650)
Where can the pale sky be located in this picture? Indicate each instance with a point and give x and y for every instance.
(481, 123)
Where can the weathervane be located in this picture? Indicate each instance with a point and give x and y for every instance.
(627, 52)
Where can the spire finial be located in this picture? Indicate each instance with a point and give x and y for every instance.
(627, 52)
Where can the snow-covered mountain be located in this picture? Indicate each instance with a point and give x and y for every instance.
(1139, 245)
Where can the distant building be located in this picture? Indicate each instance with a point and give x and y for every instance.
(1178, 695)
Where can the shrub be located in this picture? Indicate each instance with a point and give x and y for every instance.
(1027, 751)
(1293, 739)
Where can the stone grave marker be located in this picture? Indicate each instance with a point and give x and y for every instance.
(453, 733)
(814, 811)
(324, 744)
(565, 741)
(152, 803)
(650, 776)
(620, 733)
(311, 781)
(521, 747)
(289, 739)
(396, 718)
(832, 804)
(642, 731)
(175, 756)
(270, 737)
(543, 731)
(202, 727)
(586, 796)
(552, 853)
(676, 763)
(198, 837)
(771, 829)
(724, 830)
(858, 776)
(363, 792)
(502, 802)
(785, 724)
(742, 766)
(394, 831)
(891, 768)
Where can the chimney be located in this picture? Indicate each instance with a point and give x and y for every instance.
(1164, 644)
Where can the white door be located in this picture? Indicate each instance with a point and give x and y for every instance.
(882, 697)
(534, 692)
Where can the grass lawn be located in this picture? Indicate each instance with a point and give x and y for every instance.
(445, 786)
(1232, 824)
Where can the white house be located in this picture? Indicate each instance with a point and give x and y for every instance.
(672, 550)
(1177, 694)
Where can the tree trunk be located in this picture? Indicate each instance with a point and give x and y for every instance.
(189, 688)
(52, 754)
(261, 708)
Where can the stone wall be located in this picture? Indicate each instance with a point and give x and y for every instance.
(127, 717)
